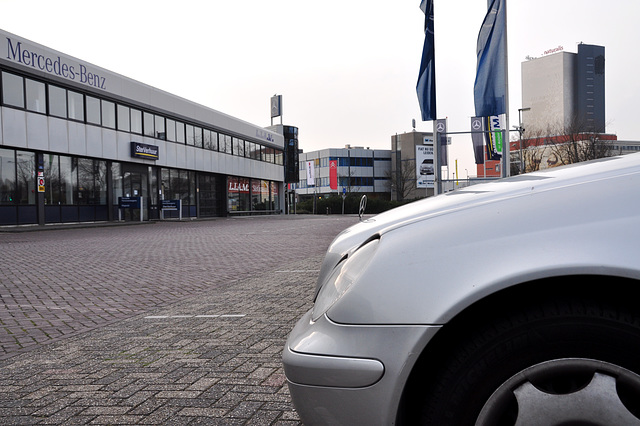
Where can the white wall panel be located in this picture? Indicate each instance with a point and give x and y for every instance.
(14, 127)
(77, 138)
(37, 132)
(58, 135)
(109, 144)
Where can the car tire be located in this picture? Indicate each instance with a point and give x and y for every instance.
(549, 363)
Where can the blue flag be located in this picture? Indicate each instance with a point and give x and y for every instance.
(490, 90)
(426, 86)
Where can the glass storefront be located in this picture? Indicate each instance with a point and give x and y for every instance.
(81, 189)
(248, 196)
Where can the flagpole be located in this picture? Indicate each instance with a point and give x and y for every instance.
(436, 159)
(506, 146)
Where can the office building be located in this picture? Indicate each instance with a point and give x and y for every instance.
(564, 90)
(80, 143)
(354, 170)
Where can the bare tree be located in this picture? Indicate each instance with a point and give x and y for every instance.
(561, 144)
(575, 143)
(533, 150)
(403, 180)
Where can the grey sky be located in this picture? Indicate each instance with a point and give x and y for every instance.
(347, 70)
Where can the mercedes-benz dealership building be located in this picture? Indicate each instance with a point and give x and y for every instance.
(79, 143)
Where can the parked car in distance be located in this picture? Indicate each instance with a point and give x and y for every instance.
(510, 302)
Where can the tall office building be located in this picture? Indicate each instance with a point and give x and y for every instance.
(563, 89)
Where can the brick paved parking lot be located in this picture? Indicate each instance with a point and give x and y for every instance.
(164, 323)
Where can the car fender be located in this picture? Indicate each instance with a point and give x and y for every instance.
(427, 270)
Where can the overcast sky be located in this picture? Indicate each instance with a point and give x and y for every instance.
(347, 69)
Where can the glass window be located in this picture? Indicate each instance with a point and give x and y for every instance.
(279, 157)
(36, 96)
(148, 122)
(238, 147)
(7, 176)
(275, 196)
(153, 184)
(171, 130)
(224, 143)
(206, 139)
(180, 138)
(214, 140)
(108, 114)
(190, 135)
(76, 105)
(160, 131)
(136, 121)
(57, 101)
(100, 181)
(86, 189)
(93, 110)
(118, 184)
(197, 136)
(12, 90)
(124, 121)
(52, 179)
(68, 179)
(165, 183)
(256, 195)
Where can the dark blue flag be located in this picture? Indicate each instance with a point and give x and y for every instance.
(490, 90)
(426, 86)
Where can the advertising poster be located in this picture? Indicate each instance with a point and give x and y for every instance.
(494, 137)
(311, 173)
(425, 168)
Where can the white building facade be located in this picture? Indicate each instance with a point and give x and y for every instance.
(359, 170)
(76, 139)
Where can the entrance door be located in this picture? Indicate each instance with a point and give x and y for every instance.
(136, 184)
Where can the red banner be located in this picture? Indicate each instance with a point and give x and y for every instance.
(333, 174)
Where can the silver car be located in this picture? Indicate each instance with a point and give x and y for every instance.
(511, 302)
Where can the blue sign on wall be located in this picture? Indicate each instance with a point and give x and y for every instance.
(142, 150)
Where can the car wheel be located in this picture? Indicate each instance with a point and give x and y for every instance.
(559, 363)
(557, 393)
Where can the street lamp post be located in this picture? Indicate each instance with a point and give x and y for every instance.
(520, 130)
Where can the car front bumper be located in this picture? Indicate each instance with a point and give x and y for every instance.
(350, 374)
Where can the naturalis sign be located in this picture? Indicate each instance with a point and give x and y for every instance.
(20, 53)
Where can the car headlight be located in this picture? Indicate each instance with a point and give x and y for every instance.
(343, 276)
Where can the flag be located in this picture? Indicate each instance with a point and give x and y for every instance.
(477, 139)
(426, 87)
(490, 88)
(333, 174)
(311, 173)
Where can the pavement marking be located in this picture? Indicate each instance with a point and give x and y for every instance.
(195, 316)
(299, 270)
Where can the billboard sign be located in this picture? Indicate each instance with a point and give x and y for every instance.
(425, 167)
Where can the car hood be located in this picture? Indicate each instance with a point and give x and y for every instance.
(548, 180)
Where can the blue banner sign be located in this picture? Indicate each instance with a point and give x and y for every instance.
(129, 202)
(170, 204)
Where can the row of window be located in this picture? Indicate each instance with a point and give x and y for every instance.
(83, 181)
(342, 182)
(36, 96)
(344, 161)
